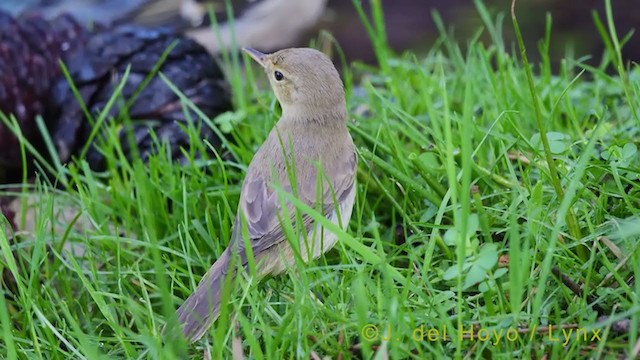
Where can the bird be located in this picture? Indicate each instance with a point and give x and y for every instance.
(310, 141)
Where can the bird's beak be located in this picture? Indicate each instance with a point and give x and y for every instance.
(259, 57)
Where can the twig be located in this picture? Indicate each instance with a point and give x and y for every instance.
(577, 289)
(613, 247)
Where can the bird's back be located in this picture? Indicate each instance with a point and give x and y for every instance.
(329, 151)
(328, 155)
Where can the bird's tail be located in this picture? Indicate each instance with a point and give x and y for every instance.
(202, 308)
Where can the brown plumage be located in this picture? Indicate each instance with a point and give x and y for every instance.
(311, 134)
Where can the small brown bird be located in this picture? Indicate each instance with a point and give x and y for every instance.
(308, 153)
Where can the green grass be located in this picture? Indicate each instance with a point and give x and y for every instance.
(466, 216)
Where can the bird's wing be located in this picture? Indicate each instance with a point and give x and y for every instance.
(261, 207)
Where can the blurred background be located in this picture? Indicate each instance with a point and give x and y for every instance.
(271, 24)
(98, 39)
(410, 24)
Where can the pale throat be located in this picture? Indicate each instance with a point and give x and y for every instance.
(331, 113)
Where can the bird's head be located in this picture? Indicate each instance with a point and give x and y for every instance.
(303, 79)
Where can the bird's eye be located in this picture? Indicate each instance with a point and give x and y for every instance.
(278, 75)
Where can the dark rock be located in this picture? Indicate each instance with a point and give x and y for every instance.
(30, 48)
(31, 84)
